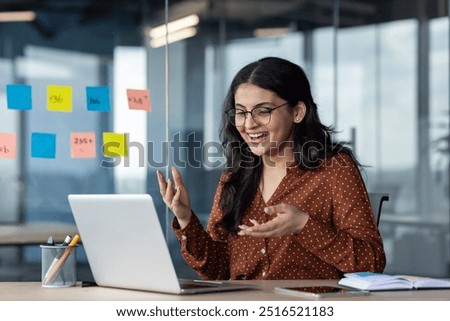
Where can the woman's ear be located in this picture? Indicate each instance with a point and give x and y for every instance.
(299, 112)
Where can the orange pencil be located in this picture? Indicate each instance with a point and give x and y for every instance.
(63, 259)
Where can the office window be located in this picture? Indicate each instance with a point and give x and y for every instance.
(46, 196)
(324, 73)
(378, 73)
(358, 91)
(130, 176)
(48, 181)
(439, 115)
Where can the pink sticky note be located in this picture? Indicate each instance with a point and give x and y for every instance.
(139, 99)
(82, 145)
(8, 145)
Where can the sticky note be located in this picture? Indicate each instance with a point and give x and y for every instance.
(82, 145)
(18, 97)
(59, 98)
(139, 99)
(98, 99)
(114, 144)
(8, 145)
(43, 145)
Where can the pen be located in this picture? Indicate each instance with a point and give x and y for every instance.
(50, 241)
(58, 256)
(63, 259)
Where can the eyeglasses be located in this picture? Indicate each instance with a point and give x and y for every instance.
(261, 115)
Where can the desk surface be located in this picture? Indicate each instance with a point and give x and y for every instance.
(32, 291)
(34, 233)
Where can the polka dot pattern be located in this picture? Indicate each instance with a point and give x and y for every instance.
(340, 235)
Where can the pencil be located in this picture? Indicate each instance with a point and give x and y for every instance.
(62, 260)
(58, 256)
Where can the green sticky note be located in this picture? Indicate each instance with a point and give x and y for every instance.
(59, 98)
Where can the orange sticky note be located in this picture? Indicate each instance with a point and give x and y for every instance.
(114, 144)
(8, 145)
(139, 99)
(59, 98)
(82, 145)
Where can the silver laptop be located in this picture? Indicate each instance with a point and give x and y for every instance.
(126, 248)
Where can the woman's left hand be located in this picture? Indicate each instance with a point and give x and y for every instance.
(289, 220)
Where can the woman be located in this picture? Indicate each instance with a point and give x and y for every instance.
(291, 204)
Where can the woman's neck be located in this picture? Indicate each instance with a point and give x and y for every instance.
(274, 170)
(277, 161)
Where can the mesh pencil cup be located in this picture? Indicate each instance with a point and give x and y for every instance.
(59, 266)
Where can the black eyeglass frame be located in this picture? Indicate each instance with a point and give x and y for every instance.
(267, 109)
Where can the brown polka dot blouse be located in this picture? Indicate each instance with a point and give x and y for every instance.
(340, 236)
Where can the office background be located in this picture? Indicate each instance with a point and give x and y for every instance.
(379, 71)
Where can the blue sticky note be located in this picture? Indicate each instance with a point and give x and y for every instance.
(97, 99)
(18, 97)
(43, 145)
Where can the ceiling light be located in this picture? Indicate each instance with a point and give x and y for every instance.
(270, 32)
(173, 26)
(16, 16)
(173, 36)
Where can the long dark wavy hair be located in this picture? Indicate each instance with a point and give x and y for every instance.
(312, 141)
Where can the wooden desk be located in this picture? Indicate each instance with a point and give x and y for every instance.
(34, 233)
(32, 291)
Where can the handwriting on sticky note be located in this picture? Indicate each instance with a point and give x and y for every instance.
(98, 98)
(59, 98)
(139, 99)
(19, 97)
(114, 144)
(7, 145)
(43, 145)
(82, 145)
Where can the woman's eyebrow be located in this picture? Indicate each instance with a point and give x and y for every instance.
(257, 105)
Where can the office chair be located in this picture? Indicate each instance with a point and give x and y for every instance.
(376, 201)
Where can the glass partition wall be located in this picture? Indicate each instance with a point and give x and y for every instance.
(380, 74)
(72, 46)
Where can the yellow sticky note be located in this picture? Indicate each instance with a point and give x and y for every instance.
(114, 145)
(82, 145)
(59, 98)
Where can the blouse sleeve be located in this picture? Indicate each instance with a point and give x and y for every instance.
(205, 252)
(352, 243)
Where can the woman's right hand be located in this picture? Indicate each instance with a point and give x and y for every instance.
(175, 197)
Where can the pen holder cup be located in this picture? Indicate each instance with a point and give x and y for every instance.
(59, 266)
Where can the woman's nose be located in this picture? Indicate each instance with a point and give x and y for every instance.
(250, 122)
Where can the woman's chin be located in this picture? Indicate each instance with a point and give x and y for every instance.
(258, 150)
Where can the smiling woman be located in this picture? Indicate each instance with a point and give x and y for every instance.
(291, 204)
(264, 133)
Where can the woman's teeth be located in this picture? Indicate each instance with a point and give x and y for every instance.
(256, 136)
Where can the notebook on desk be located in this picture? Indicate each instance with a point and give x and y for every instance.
(126, 248)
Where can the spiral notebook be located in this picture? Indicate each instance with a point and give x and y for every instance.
(126, 248)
